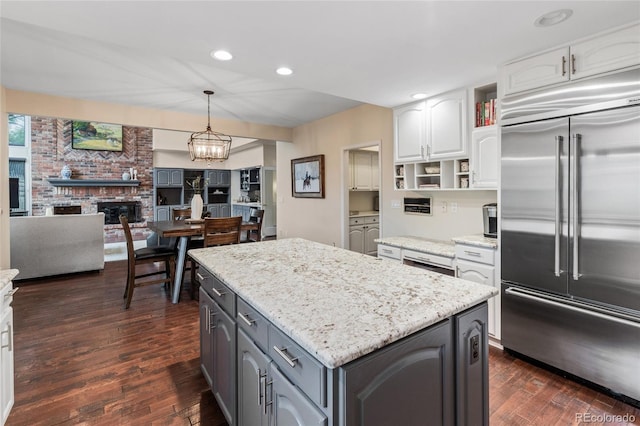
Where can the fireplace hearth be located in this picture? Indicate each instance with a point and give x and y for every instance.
(113, 209)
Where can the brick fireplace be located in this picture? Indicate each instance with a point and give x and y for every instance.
(51, 150)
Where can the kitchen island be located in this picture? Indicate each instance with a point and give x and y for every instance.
(328, 336)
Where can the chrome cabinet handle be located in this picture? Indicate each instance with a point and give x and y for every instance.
(564, 62)
(260, 381)
(211, 315)
(246, 319)
(267, 404)
(388, 251)
(576, 205)
(472, 253)
(573, 63)
(282, 352)
(9, 344)
(218, 292)
(11, 292)
(556, 265)
(200, 277)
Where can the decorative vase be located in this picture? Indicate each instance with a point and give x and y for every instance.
(196, 206)
(65, 172)
(126, 176)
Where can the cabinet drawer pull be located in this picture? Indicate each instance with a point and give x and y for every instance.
(472, 253)
(246, 319)
(11, 292)
(573, 63)
(282, 352)
(564, 62)
(9, 344)
(262, 378)
(388, 251)
(200, 277)
(218, 292)
(211, 315)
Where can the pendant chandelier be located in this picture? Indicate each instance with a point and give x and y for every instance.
(209, 146)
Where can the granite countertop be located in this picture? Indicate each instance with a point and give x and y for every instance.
(477, 240)
(7, 275)
(337, 304)
(441, 248)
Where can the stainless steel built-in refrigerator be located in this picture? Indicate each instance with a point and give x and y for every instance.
(570, 229)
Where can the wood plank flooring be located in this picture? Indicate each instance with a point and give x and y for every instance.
(80, 358)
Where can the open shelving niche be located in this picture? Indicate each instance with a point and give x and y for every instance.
(447, 174)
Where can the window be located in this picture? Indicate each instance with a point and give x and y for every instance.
(17, 130)
(19, 159)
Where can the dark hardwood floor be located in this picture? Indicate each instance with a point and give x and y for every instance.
(80, 358)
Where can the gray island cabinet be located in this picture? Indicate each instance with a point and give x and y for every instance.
(295, 332)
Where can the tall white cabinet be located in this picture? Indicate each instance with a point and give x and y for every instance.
(6, 342)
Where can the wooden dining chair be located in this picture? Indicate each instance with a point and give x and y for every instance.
(217, 231)
(146, 255)
(254, 227)
(181, 213)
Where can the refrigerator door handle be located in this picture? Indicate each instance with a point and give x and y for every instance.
(556, 268)
(564, 305)
(576, 204)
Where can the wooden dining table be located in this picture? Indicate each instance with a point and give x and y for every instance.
(183, 230)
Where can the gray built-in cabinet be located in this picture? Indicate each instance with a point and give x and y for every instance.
(171, 190)
(260, 376)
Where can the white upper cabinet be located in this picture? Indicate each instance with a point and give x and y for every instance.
(484, 157)
(364, 171)
(447, 126)
(606, 52)
(409, 132)
(616, 50)
(537, 71)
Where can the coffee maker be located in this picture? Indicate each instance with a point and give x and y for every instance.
(490, 220)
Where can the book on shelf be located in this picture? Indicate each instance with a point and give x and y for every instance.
(428, 185)
(486, 113)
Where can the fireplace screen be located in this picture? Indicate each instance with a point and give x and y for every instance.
(113, 209)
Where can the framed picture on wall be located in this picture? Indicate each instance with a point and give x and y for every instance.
(96, 136)
(307, 177)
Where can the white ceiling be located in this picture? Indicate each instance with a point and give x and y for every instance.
(156, 53)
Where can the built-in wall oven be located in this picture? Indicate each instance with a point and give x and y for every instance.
(431, 262)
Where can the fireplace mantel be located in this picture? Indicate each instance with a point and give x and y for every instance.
(93, 182)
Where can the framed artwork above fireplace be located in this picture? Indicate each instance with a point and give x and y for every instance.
(96, 136)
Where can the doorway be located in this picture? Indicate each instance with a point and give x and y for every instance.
(361, 195)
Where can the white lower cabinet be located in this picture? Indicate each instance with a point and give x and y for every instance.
(363, 231)
(478, 264)
(6, 363)
(6, 350)
(386, 252)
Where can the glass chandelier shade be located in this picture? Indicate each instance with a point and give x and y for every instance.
(209, 146)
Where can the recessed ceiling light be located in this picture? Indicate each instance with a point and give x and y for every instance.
(284, 71)
(222, 55)
(419, 95)
(553, 18)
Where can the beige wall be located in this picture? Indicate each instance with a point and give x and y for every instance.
(5, 260)
(321, 219)
(55, 106)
